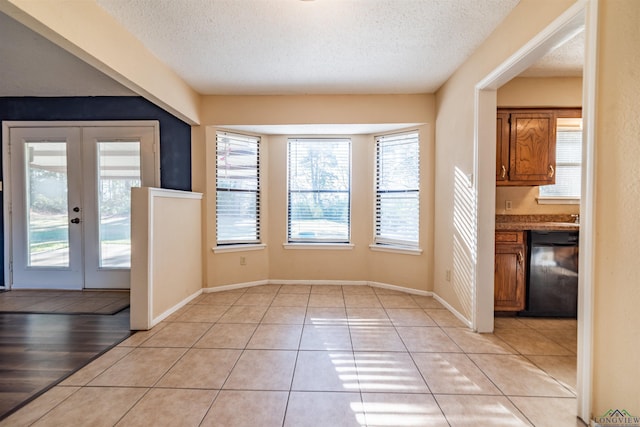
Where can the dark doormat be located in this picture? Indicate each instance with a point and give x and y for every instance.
(63, 302)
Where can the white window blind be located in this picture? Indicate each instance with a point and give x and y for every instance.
(319, 190)
(397, 213)
(568, 161)
(237, 189)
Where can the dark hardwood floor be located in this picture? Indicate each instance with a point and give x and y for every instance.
(39, 350)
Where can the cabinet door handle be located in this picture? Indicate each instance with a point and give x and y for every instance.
(504, 172)
(552, 171)
(520, 257)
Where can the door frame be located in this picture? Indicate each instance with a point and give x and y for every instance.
(5, 184)
(582, 12)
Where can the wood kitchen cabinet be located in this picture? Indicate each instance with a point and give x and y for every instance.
(526, 147)
(502, 147)
(509, 271)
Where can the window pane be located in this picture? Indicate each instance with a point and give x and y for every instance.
(237, 189)
(397, 189)
(47, 207)
(568, 165)
(118, 172)
(319, 165)
(397, 165)
(319, 185)
(237, 216)
(398, 219)
(569, 147)
(237, 163)
(319, 216)
(567, 183)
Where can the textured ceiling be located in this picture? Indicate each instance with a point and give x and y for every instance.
(279, 46)
(311, 47)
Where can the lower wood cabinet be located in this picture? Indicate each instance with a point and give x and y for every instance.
(510, 271)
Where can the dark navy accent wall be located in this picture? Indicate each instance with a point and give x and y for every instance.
(175, 135)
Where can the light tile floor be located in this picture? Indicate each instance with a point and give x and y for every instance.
(322, 356)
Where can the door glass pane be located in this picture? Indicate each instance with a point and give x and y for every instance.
(47, 207)
(118, 171)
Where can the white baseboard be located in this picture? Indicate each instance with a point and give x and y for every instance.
(400, 289)
(173, 309)
(319, 282)
(235, 286)
(452, 310)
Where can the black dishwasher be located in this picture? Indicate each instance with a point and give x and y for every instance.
(552, 282)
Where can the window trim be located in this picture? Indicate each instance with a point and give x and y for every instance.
(318, 243)
(558, 200)
(238, 248)
(394, 245)
(396, 249)
(319, 246)
(233, 244)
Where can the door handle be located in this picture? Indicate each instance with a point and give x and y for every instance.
(551, 171)
(75, 221)
(504, 172)
(520, 257)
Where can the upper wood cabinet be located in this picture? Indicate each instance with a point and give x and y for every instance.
(526, 147)
(502, 147)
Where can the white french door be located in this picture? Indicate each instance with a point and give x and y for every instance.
(70, 206)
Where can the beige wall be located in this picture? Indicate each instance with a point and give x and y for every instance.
(163, 278)
(536, 92)
(177, 273)
(558, 92)
(523, 202)
(616, 321)
(357, 264)
(319, 109)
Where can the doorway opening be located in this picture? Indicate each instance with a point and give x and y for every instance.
(581, 14)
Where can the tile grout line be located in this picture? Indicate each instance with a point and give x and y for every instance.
(213, 401)
(548, 373)
(418, 369)
(295, 364)
(353, 356)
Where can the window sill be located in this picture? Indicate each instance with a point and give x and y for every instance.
(320, 246)
(558, 200)
(396, 249)
(238, 248)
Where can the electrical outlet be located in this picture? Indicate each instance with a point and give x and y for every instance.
(447, 275)
(243, 260)
(507, 205)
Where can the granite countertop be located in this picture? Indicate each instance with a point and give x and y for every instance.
(536, 222)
